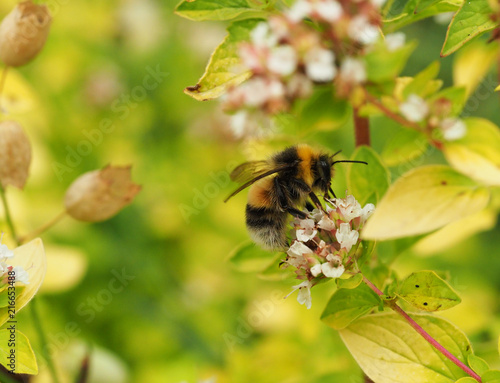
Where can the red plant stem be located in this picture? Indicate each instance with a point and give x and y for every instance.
(361, 129)
(424, 333)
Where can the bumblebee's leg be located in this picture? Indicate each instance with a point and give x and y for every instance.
(305, 187)
(331, 191)
(284, 201)
(309, 206)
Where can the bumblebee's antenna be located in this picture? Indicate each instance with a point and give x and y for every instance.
(355, 162)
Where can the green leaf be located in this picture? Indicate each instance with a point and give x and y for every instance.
(368, 183)
(322, 111)
(477, 364)
(224, 68)
(478, 153)
(200, 10)
(466, 379)
(491, 376)
(385, 65)
(250, 258)
(423, 4)
(472, 19)
(30, 256)
(25, 361)
(408, 16)
(389, 350)
(350, 283)
(419, 84)
(4, 296)
(404, 146)
(423, 200)
(427, 291)
(388, 251)
(274, 272)
(347, 305)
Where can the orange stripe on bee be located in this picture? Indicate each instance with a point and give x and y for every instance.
(259, 194)
(305, 154)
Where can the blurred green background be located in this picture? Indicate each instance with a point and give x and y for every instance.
(187, 315)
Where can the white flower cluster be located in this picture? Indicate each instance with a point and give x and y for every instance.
(287, 56)
(20, 274)
(416, 109)
(325, 241)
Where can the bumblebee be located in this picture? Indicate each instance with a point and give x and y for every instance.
(280, 186)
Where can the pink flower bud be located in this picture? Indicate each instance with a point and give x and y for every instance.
(100, 194)
(23, 33)
(15, 154)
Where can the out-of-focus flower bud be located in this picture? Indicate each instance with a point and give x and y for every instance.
(100, 194)
(15, 154)
(23, 33)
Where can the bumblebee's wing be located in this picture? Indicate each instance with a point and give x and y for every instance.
(249, 170)
(243, 173)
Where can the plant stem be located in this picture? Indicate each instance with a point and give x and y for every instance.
(42, 229)
(361, 129)
(424, 334)
(43, 339)
(8, 217)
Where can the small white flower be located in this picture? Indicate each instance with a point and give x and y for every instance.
(3, 268)
(238, 123)
(414, 109)
(282, 60)
(299, 86)
(308, 230)
(329, 10)
(275, 89)
(353, 70)
(326, 223)
(378, 3)
(251, 56)
(296, 254)
(349, 208)
(316, 270)
(346, 237)
(362, 31)
(304, 296)
(453, 128)
(5, 252)
(333, 268)
(444, 18)
(256, 92)
(21, 275)
(299, 11)
(320, 64)
(367, 211)
(262, 36)
(394, 41)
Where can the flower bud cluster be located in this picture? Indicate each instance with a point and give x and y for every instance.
(288, 54)
(436, 115)
(325, 242)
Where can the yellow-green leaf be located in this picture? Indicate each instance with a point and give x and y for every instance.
(420, 82)
(248, 257)
(23, 356)
(403, 147)
(30, 256)
(350, 283)
(477, 364)
(478, 153)
(368, 183)
(423, 200)
(224, 69)
(491, 376)
(472, 19)
(456, 232)
(201, 10)
(466, 379)
(427, 291)
(347, 305)
(389, 350)
(472, 63)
